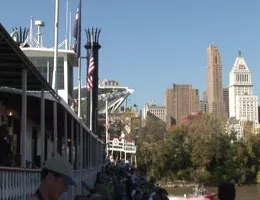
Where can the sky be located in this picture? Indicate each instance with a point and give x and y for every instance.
(148, 45)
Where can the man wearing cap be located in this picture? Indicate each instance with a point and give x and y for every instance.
(56, 175)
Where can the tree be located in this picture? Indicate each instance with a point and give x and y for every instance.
(154, 130)
(201, 150)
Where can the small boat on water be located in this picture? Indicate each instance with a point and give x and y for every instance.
(199, 193)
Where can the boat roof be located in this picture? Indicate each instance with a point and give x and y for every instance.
(13, 61)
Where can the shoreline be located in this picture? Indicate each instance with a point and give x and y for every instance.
(182, 184)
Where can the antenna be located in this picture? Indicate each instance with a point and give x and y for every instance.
(31, 28)
(39, 24)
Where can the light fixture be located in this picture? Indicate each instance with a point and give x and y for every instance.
(10, 113)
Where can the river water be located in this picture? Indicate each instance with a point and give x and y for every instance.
(242, 193)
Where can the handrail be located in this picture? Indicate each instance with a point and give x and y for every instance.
(20, 183)
(17, 169)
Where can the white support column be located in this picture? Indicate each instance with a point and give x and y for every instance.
(72, 142)
(98, 149)
(78, 146)
(88, 165)
(88, 146)
(24, 118)
(96, 153)
(91, 151)
(72, 148)
(66, 135)
(42, 127)
(81, 153)
(55, 131)
(85, 149)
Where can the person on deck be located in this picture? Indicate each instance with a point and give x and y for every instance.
(56, 175)
(5, 146)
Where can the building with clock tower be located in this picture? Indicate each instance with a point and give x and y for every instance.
(243, 105)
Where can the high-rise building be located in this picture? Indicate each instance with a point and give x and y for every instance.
(226, 100)
(180, 101)
(216, 103)
(243, 105)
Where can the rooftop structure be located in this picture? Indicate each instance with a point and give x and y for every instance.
(110, 90)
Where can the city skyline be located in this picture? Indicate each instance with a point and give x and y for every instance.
(138, 37)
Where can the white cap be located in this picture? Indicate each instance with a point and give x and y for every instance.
(60, 165)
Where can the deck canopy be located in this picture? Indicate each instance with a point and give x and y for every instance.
(13, 61)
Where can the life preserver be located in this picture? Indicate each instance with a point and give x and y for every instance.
(115, 141)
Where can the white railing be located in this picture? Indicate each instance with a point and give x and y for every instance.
(20, 183)
(121, 145)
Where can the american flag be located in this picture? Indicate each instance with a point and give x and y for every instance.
(91, 68)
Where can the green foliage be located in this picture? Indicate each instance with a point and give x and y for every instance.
(258, 178)
(199, 151)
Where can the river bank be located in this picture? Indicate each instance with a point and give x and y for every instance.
(242, 192)
(180, 184)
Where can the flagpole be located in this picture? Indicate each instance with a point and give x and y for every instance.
(106, 128)
(70, 27)
(56, 29)
(67, 25)
(91, 92)
(77, 35)
(91, 111)
(79, 87)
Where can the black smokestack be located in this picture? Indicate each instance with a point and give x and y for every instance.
(93, 36)
(20, 34)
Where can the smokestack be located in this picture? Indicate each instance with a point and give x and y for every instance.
(93, 34)
(19, 35)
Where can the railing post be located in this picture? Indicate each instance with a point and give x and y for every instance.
(55, 131)
(81, 153)
(72, 142)
(72, 149)
(24, 118)
(42, 127)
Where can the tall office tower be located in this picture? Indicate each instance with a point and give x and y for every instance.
(216, 103)
(180, 100)
(243, 105)
(226, 100)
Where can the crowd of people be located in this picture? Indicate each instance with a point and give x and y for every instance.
(120, 180)
(116, 181)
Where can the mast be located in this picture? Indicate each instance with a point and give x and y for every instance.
(67, 25)
(56, 32)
